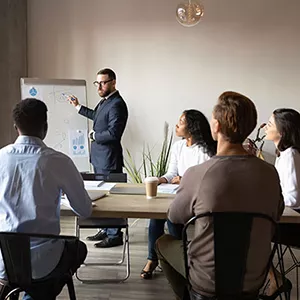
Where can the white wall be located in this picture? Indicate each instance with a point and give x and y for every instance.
(252, 47)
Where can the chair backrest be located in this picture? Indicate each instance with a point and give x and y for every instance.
(112, 177)
(15, 249)
(232, 232)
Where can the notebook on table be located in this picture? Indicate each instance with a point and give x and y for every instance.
(96, 195)
(93, 183)
(128, 190)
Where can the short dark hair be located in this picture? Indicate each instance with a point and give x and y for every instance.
(237, 116)
(287, 121)
(111, 74)
(30, 115)
(198, 127)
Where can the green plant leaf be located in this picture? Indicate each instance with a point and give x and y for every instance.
(149, 165)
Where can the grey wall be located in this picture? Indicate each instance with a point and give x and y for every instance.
(13, 62)
(162, 68)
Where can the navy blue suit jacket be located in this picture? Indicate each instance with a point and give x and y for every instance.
(110, 119)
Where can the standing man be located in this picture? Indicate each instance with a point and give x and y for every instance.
(110, 118)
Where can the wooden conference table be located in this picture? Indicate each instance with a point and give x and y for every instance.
(137, 206)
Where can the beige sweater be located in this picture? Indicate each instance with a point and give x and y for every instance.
(226, 183)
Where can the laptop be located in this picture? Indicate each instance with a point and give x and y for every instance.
(96, 195)
(128, 190)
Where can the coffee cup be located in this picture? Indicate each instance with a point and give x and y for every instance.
(151, 187)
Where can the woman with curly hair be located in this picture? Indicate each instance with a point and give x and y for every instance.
(196, 147)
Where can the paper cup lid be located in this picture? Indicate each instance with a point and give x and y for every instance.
(151, 179)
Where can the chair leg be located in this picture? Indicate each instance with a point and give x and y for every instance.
(125, 248)
(13, 295)
(295, 265)
(77, 229)
(128, 256)
(297, 281)
(71, 289)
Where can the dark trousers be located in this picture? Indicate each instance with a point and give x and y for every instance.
(170, 255)
(156, 230)
(111, 232)
(73, 256)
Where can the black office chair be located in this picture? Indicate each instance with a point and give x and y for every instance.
(289, 238)
(96, 223)
(232, 231)
(15, 249)
(112, 177)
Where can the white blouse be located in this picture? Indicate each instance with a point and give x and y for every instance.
(184, 157)
(288, 168)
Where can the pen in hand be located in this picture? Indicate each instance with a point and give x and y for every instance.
(72, 98)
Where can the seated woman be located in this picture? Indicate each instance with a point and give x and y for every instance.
(283, 129)
(196, 147)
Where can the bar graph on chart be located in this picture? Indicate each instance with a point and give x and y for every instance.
(78, 143)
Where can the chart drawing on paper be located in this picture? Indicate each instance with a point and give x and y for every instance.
(78, 143)
(67, 130)
(59, 95)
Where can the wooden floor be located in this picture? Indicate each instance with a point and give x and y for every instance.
(135, 287)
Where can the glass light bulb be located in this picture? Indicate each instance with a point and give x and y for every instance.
(189, 13)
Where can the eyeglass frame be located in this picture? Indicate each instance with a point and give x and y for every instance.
(97, 84)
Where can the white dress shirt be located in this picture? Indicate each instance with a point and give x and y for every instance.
(32, 177)
(184, 157)
(288, 168)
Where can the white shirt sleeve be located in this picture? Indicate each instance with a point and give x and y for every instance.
(78, 107)
(173, 165)
(289, 173)
(73, 187)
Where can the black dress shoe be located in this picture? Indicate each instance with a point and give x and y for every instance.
(100, 235)
(108, 242)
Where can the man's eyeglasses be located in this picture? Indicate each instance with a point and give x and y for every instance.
(97, 84)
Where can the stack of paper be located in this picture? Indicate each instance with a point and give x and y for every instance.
(167, 188)
(92, 183)
(98, 185)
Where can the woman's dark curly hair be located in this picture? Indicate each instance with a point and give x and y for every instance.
(198, 127)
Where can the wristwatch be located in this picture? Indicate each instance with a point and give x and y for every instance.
(92, 135)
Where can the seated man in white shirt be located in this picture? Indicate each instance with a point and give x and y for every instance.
(32, 178)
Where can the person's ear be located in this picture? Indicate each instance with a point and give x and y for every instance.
(46, 128)
(43, 132)
(218, 126)
(215, 126)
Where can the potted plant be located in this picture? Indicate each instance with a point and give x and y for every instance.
(150, 166)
